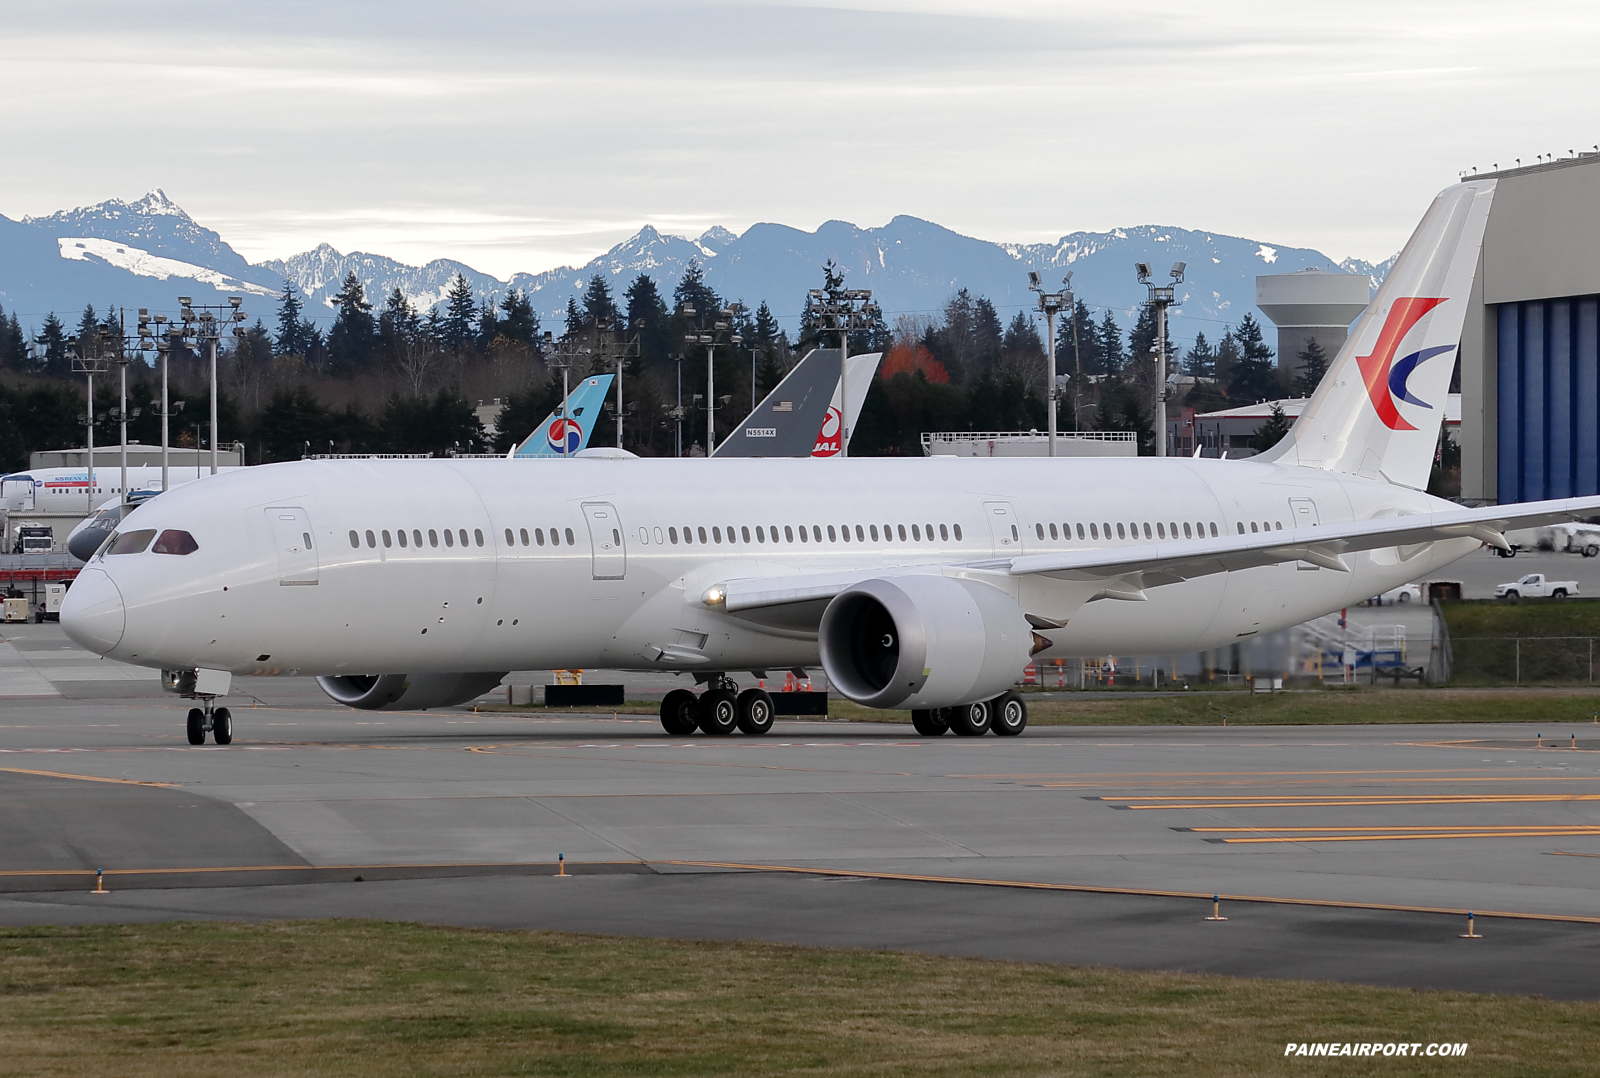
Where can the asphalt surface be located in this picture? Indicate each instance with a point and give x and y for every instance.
(457, 818)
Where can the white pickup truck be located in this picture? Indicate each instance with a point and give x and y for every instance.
(1536, 586)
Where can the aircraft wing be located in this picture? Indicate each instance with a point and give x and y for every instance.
(1127, 570)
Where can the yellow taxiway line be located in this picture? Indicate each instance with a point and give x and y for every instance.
(84, 778)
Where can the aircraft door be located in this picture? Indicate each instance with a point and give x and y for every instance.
(292, 536)
(605, 540)
(1003, 527)
(1303, 514)
(16, 493)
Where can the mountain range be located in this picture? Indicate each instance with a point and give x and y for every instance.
(148, 252)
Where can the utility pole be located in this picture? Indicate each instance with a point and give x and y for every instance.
(1161, 297)
(206, 326)
(88, 364)
(851, 309)
(561, 357)
(717, 333)
(1050, 303)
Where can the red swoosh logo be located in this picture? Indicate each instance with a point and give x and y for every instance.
(1375, 367)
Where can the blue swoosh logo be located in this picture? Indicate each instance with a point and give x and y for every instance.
(1403, 368)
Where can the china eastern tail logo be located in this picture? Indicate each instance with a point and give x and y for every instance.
(1385, 376)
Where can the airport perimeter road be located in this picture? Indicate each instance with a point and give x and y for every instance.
(310, 796)
(1479, 573)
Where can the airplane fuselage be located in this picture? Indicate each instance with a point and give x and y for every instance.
(530, 564)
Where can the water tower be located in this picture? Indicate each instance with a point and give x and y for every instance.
(1312, 305)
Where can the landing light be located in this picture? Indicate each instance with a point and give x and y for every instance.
(715, 595)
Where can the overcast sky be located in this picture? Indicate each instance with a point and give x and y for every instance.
(525, 135)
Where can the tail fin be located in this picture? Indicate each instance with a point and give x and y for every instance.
(1378, 409)
(800, 418)
(566, 431)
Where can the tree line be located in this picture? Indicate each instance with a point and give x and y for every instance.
(388, 377)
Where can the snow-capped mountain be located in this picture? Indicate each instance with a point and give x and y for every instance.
(147, 252)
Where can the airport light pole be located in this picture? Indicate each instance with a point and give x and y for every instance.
(201, 322)
(90, 365)
(676, 413)
(1050, 303)
(1161, 297)
(164, 340)
(561, 357)
(850, 309)
(716, 334)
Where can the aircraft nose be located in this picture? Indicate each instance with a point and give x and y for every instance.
(92, 611)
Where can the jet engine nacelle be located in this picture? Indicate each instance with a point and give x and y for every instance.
(407, 692)
(923, 642)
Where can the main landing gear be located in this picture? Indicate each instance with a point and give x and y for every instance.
(1006, 715)
(216, 721)
(718, 711)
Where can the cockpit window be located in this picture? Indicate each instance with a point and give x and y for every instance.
(132, 542)
(173, 541)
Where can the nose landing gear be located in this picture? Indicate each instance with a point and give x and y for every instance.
(720, 710)
(216, 721)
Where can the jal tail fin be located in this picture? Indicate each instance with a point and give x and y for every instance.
(798, 417)
(1378, 409)
(567, 430)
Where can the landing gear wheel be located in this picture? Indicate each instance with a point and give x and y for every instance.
(1591, 550)
(719, 712)
(680, 713)
(972, 720)
(222, 726)
(1010, 714)
(930, 723)
(197, 726)
(755, 711)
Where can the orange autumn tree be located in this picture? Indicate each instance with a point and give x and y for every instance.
(910, 357)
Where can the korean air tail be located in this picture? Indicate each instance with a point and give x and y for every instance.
(1378, 409)
(566, 430)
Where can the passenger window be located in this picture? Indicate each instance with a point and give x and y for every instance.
(844, 532)
(1186, 534)
(555, 537)
(173, 541)
(927, 530)
(388, 540)
(1213, 529)
(1052, 532)
(449, 538)
(744, 533)
(616, 537)
(433, 538)
(761, 534)
(463, 534)
(400, 534)
(874, 533)
(570, 539)
(916, 533)
(372, 540)
(788, 534)
(511, 540)
(1080, 531)
(1253, 527)
(716, 533)
(902, 532)
(355, 540)
(416, 538)
(644, 536)
(702, 531)
(1241, 527)
(957, 527)
(1147, 529)
(672, 535)
(1094, 531)
(658, 536)
(538, 536)
(477, 536)
(804, 536)
(816, 532)
(1161, 530)
(832, 535)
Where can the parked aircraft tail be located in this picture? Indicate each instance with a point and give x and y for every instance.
(800, 417)
(1378, 410)
(567, 430)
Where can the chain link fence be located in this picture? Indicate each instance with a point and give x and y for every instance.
(1522, 660)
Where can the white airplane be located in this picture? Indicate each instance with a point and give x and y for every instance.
(67, 490)
(915, 583)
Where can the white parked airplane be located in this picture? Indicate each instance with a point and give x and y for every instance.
(915, 583)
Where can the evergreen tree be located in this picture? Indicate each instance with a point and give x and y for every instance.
(53, 338)
(693, 290)
(986, 333)
(1077, 343)
(351, 338)
(815, 327)
(1272, 431)
(1313, 365)
(488, 325)
(1111, 357)
(294, 332)
(518, 322)
(459, 309)
(13, 345)
(87, 332)
(1255, 377)
(397, 323)
(1201, 359)
(648, 317)
(441, 425)
(765, 332)
(1228, 358)
(1020, 345)
(574, 318)
(598, 306)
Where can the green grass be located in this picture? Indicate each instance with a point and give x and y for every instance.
(1529, 617)
(1529, 642)
(1573, 710)
(369, 998)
